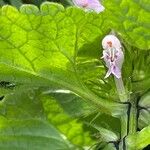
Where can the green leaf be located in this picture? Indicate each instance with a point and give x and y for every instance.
(72, 104)
(106, 135)
(30, 134)
(140, 72)
(22, 103)
(139, 140)
(145, 101)
(144, 118)
(42, 48)
(70, 127)
(109, 146)
(131, 19)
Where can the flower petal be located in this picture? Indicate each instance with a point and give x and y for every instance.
(116, 71)
(108, 73)
(120, 59)
(89, 5)
(95, 5)
(80, 3)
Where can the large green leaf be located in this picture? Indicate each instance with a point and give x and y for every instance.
(131, 18)
(30, 135)
(42, 48)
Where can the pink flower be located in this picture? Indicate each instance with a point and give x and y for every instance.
(113, 55)
(89, 5)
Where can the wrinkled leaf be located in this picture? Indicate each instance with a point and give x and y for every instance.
(131, 19)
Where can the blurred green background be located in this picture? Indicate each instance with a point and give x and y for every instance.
(18, 3)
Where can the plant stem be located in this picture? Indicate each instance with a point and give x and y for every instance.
(133, 118)
(121, 90)
(129, 119)
(124, 118)
(124, 125)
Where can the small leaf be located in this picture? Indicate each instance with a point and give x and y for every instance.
(145, 100)
(139, 140)
(106, 134)
(144, 118)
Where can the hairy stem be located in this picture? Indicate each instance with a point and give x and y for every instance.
(124, 125)
(133, 117)
(121, 90)
(123, 98)
(124, 119)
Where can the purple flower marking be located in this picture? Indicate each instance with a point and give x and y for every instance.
(89, 5)
(112, 55)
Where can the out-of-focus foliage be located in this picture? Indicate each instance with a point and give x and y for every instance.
(18, 3)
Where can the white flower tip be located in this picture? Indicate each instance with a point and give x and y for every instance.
(100, 9)
(111, 41)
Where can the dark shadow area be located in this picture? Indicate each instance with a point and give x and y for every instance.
(147, 148)
(18, 3)
(1, 98)
(5, 84)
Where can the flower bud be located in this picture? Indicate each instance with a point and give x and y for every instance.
(89, 5)
(112, 55)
